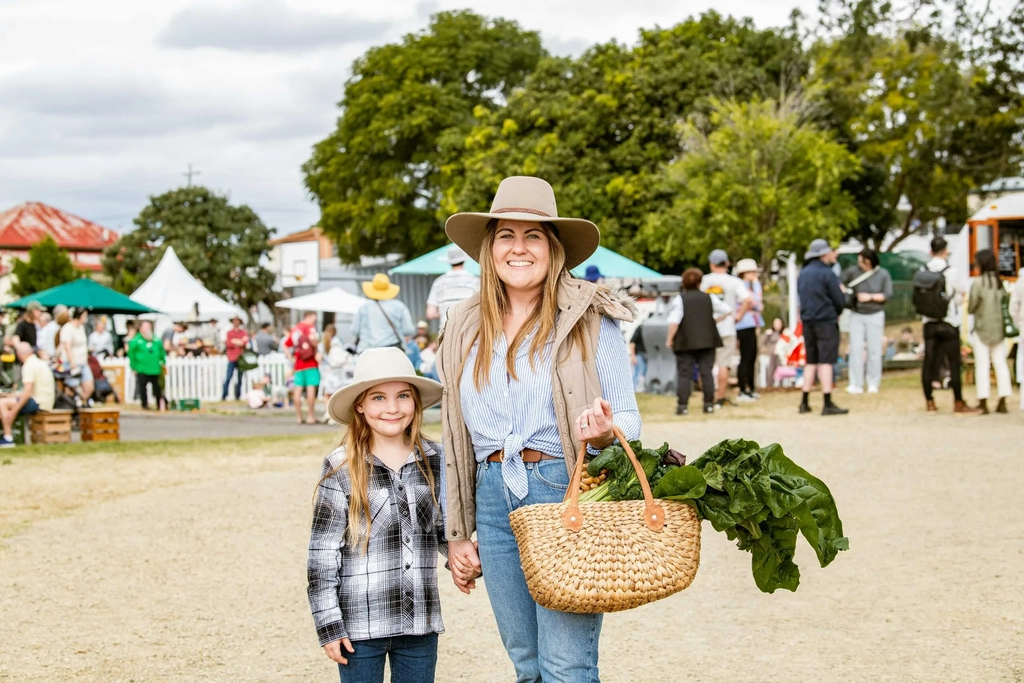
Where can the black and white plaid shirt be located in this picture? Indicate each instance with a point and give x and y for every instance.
(391, 590)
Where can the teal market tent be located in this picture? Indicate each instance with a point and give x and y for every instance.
(84, 293)
(610, 264)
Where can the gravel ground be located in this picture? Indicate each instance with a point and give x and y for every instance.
(190, 567)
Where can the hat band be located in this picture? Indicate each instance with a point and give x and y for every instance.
(513, 209)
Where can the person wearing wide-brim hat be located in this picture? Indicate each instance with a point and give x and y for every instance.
(383, 320)
(533, 366)
(746, 330)
(378, 526)
(235, 341)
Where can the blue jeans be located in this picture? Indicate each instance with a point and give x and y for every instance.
(413, 660)
(639, 371)
(544, 645)
(232, 366)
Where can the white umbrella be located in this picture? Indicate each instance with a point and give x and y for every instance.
(334, 300)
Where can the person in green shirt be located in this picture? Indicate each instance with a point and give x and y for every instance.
(147, 358)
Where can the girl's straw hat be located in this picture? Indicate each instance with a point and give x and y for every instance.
(522, 198)
(379, 366)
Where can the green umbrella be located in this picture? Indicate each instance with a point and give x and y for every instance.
(607, 261)
(87, 294)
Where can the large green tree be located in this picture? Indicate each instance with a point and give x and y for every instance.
(930, 110)
(220, 244)
(754, 178)
(377, 177)
(602, 127)
(47, 266)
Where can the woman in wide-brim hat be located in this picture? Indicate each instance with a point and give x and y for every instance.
(532, 367)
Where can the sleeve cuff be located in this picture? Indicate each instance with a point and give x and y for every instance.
(328, 633)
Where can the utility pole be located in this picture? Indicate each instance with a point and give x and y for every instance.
(189, 175)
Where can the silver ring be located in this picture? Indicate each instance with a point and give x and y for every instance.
(584, 425)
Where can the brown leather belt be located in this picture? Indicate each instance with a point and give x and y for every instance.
(529, 455)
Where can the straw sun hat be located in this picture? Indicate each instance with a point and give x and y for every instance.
(522, 198)
(380, 366)
(380, 288)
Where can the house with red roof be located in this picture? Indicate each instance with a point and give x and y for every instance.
(27, 224)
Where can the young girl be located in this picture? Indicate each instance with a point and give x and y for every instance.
(378, 526)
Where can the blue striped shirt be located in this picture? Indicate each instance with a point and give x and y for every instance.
(511, 415)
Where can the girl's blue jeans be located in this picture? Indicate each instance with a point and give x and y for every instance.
(544, 645)
(412, 659)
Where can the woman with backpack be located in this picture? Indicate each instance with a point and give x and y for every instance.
(988, 339)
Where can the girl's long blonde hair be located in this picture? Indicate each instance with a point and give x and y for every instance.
(495, 305)
(358, 442)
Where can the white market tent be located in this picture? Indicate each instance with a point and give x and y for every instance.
(334, 300)
(176, 293)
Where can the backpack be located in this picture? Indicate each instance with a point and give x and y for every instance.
(305, 348)
(930, 297)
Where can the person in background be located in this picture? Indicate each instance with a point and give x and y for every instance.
(942, 337)
(235, 342)
(988, 339)
(301, 345)
(746, 330)
(638, 358)
(694, 337)
(38, 391)
(47, 337)
(821, 302)
(422, 328)
(146, 357)
(870, 286)
(74, 352)
(101, 343)
(1017, 313)
(383, 320)
(264, 340)
(593, 274)
(25, 331)
(455, 286)
(768, 343)
(130, 330)
(428, 357)
(333, 358)
(733, 292)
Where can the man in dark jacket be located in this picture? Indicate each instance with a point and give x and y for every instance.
(821, 302)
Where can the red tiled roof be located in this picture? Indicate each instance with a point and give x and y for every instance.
(27, 224)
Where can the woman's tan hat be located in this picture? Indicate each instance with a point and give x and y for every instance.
(380, 289)
(380, 366)
(746, 265)
(522, 198)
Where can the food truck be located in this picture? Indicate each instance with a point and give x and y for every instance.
(999, 226)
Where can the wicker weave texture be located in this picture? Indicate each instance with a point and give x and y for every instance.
(614, 563)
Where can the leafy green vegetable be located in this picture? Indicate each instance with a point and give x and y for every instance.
(622, 482)
(681, 483)
(762, 499)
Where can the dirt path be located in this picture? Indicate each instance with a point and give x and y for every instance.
(194, 570)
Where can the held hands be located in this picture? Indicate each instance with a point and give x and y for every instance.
(333, 650)
(464, 561)
(594, 425)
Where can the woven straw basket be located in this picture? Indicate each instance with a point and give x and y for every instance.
(606, 556)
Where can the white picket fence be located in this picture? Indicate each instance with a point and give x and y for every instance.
(203, 378)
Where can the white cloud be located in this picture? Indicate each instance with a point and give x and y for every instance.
(264, 26)
(98, 111)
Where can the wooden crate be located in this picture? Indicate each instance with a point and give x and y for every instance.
(51, 427)
(100, 424)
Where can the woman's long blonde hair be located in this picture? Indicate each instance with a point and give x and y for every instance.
(329, 333)
(495, 305)
(358, 443)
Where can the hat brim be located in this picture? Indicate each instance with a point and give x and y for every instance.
(817, 254)
(579, 237)
(372, 292)
(342, 402)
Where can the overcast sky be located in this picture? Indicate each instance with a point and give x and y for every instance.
(105, 102)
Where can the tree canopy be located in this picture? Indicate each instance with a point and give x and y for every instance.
(220, 244)
(925, 95)
(754, 178)
(377, 176)
(47, 266)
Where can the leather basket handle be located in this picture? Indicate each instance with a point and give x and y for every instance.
(572, 517)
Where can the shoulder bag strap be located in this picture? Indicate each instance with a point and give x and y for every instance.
(863, 276)
(391, 325)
